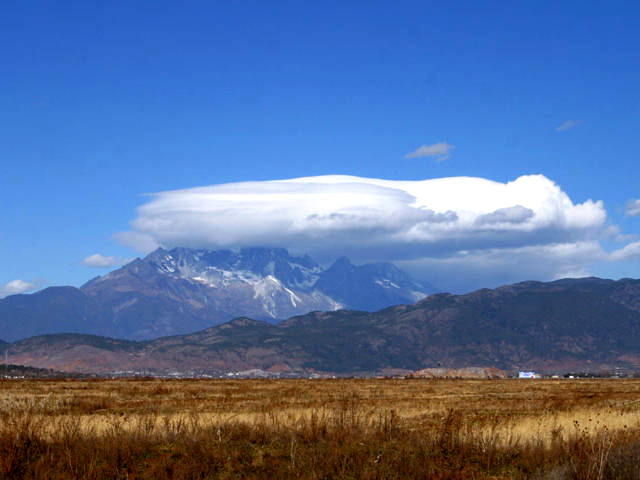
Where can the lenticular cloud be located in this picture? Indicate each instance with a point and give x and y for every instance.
(368, 218)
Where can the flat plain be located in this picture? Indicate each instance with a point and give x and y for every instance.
(320, 429)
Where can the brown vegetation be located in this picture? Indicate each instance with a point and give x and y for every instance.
(320, 429)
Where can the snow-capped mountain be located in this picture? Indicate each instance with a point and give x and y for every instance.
(267, 284)
(182, 290)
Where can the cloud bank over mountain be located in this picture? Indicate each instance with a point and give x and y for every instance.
(443, 223)
(100, 261)
(14, 287)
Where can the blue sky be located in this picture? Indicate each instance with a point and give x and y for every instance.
(102, 103)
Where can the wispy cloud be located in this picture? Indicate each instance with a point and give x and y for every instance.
(16, 286)
(628, 252)
(568, 125)
(633, 208)
(440, 151)
(100, 261)
(468, 270)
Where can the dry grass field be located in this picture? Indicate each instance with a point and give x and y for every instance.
(320, 429)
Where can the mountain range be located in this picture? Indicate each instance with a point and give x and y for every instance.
(585, 324)
(183, 290)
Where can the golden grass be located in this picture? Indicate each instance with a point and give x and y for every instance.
(347, 428)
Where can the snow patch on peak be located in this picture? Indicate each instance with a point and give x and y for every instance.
(386, 283)
(320, 298)
(270, 291)
(417, 296)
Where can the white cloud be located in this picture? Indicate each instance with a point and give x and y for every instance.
(626, 238)
(14, 287)
(374, 219)
(100, 261)
(633, 208)
(628, 252)
(441, 151)
(567, 125)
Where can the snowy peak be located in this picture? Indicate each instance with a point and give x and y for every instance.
(220, 268)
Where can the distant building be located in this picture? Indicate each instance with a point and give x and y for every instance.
(528, 375)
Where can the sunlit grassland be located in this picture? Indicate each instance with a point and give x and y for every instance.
(351, 428)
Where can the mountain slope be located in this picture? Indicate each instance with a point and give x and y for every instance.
(62, 309)
(585, 324)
